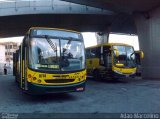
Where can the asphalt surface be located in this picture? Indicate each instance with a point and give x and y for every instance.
(132, 96)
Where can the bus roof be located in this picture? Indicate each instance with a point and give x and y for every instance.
(47, 28)
(109, 44)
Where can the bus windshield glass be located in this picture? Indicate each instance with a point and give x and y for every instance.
(56, 54)
(126, 56)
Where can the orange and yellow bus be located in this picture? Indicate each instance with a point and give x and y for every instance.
(50, 60)
(112, 61)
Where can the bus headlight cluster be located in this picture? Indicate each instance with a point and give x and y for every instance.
(34, 78)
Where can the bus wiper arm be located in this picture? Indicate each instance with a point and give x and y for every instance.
(53, 46)
(68, 43)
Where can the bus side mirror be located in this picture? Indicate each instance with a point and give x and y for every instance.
(116, 51)
(140, 53)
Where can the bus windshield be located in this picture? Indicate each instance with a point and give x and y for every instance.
(126, 56)
(56, 54)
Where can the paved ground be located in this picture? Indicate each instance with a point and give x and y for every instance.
(99, 97)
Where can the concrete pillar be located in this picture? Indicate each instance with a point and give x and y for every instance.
(148, 29)
(102, 37)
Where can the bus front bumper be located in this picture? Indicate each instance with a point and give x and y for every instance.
(38, 89)
(118, 75)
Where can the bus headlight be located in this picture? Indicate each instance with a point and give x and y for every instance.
(34, 78)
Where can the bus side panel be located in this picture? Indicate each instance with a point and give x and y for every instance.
(23, 67)
(20, 71)
(93, 62)
(14, 64)
(17, 66)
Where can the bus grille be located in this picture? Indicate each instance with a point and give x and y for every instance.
(59, 81)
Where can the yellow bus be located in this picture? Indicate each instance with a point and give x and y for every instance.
(112, 61)
(50, 60)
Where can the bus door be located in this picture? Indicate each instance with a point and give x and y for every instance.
(23, 66)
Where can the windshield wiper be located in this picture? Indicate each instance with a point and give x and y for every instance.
(69, 55)
(65, 62)
(53, 46)
(68, 43)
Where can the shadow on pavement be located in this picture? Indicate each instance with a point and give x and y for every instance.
(111, 81)
(53, 97)
(61, 97)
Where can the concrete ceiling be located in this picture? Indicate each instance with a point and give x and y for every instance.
(18, 25)
(121, 6)
(122, 21)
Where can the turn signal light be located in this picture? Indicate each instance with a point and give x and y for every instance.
(29, 76)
